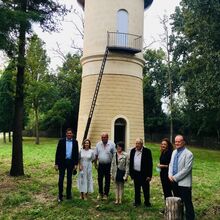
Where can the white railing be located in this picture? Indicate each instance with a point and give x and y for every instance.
(125, 41)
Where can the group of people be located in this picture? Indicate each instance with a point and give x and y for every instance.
(112, 162)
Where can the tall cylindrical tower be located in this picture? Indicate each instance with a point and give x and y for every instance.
(117, 25)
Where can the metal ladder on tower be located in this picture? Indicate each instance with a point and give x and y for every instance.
(98, 83)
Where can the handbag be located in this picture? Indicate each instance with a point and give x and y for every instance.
(119, 173)
(74, 172)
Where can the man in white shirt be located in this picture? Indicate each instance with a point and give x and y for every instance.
(140, 169)
(104, 152)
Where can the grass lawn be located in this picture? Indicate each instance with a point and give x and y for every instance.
(33, 196)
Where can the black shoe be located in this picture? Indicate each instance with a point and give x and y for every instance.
(69, 197)
(147, 204)
(136, 204)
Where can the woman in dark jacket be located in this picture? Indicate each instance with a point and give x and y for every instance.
(166, 149)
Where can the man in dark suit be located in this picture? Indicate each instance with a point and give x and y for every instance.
(66, 159)
(140, 168)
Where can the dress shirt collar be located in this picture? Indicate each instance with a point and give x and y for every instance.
(69, 140)
(139, 150)
(105, 145)
(180, 149)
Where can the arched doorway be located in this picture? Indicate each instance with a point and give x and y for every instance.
(120, 130)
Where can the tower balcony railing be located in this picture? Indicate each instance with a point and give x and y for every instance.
(124, 42)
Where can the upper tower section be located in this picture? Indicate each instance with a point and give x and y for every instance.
(147, 3)
(117, 24)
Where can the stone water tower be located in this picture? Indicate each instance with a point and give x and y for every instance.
(112, 93)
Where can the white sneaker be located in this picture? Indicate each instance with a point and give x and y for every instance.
(105, 197)
(99, 196)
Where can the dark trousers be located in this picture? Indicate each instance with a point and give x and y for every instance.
(185, 193)
(139, 182)
(104, 172)
(166, 184)
(68, 165)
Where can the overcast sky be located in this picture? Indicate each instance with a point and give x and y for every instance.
(152, 28)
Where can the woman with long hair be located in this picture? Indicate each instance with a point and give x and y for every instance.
(85, 180)
(166, 149)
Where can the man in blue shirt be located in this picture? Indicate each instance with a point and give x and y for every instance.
(180, 174)
(66, 159)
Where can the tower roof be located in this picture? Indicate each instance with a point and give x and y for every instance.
(147, 3)
(81, 2)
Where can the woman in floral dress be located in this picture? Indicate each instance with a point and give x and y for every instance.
(120, 161)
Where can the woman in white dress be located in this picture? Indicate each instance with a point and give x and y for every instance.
(85, 181)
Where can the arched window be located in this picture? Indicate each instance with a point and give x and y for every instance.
(122, 27)
(120, 130)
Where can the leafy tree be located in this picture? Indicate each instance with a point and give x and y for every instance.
(197, 48)
(156, 69)
(38, 89)
(154, 87)
(172, 84)
(17, 17)
(69, 77)
(155, 119)
(57, 115)
(7, 92)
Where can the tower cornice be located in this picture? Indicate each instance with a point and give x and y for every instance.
(147, 3)
(115, 56)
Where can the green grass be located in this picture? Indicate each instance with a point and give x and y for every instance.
(33, 196)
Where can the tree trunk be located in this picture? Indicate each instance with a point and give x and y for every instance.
(174, 208)
(17, 168)
(171, 127)
(9, 136)
(4, 137)
(167, 45)
(218, 136)
(37, 140)
(171, 99)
